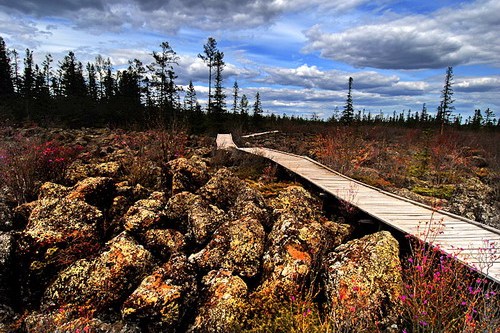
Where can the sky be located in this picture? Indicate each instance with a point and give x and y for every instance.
(298, 54)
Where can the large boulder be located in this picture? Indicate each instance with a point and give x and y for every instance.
(145, 214)
(103, 281)
(50, 190)
(297, 201)
(188, 174)
(222, 189)
(224, 306)
(296, 244)
(163, 243)
(363, 280)
(97, 191)
(59, 232)
(237, 246)
(78, 170)
(251, 203)
(203, 220)
(178, 207)
(194, 216)
(163, 298)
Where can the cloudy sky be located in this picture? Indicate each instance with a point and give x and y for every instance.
(298, 54)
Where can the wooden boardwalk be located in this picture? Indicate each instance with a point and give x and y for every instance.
(471, 242)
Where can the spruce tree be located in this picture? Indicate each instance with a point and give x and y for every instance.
(190, 99)
(243, 105)
(257, 106)
(348, 112)
(72, 80)
(445, 107)
(6, 82)
(28, 84)
(219, 100)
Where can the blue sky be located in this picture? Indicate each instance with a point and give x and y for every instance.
(298, 54)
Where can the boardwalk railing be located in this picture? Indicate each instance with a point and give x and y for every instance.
(473, 243)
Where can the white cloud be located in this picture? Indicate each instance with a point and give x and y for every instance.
(464, 35)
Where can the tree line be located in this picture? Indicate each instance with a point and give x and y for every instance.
(443, 116)
(93, 94)
(73, 94)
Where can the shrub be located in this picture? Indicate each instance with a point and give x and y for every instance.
(443, 295)
(149, 151)
(27, 162)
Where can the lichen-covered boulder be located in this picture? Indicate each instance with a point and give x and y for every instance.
(178, 206)
(224, 307)
(104, 280)
(163, 242)
(133, 193)
(222, 189)
(363, 280)
(203, 220)
(251, 203)
(336, 233)
(60, 231)
(163, 298)
(97, 191)
(194, 216)
(293, 250)
(78, 170)
(55, 220)
(188, 174)
(50, 190)
(297, 201)
(236, 246)
(145, 214)
(299, 239)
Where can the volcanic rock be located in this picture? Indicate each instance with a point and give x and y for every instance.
(103, 281)
(363, 279)
(224, 307)
(237, 246)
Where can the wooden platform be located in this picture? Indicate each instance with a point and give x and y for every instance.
(471, 242)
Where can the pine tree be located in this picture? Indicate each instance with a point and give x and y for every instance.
(477, 119)
(348, 112)
(163, 78)
(235, 97)
(210, 52)
(6, 82)
(424, 115)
